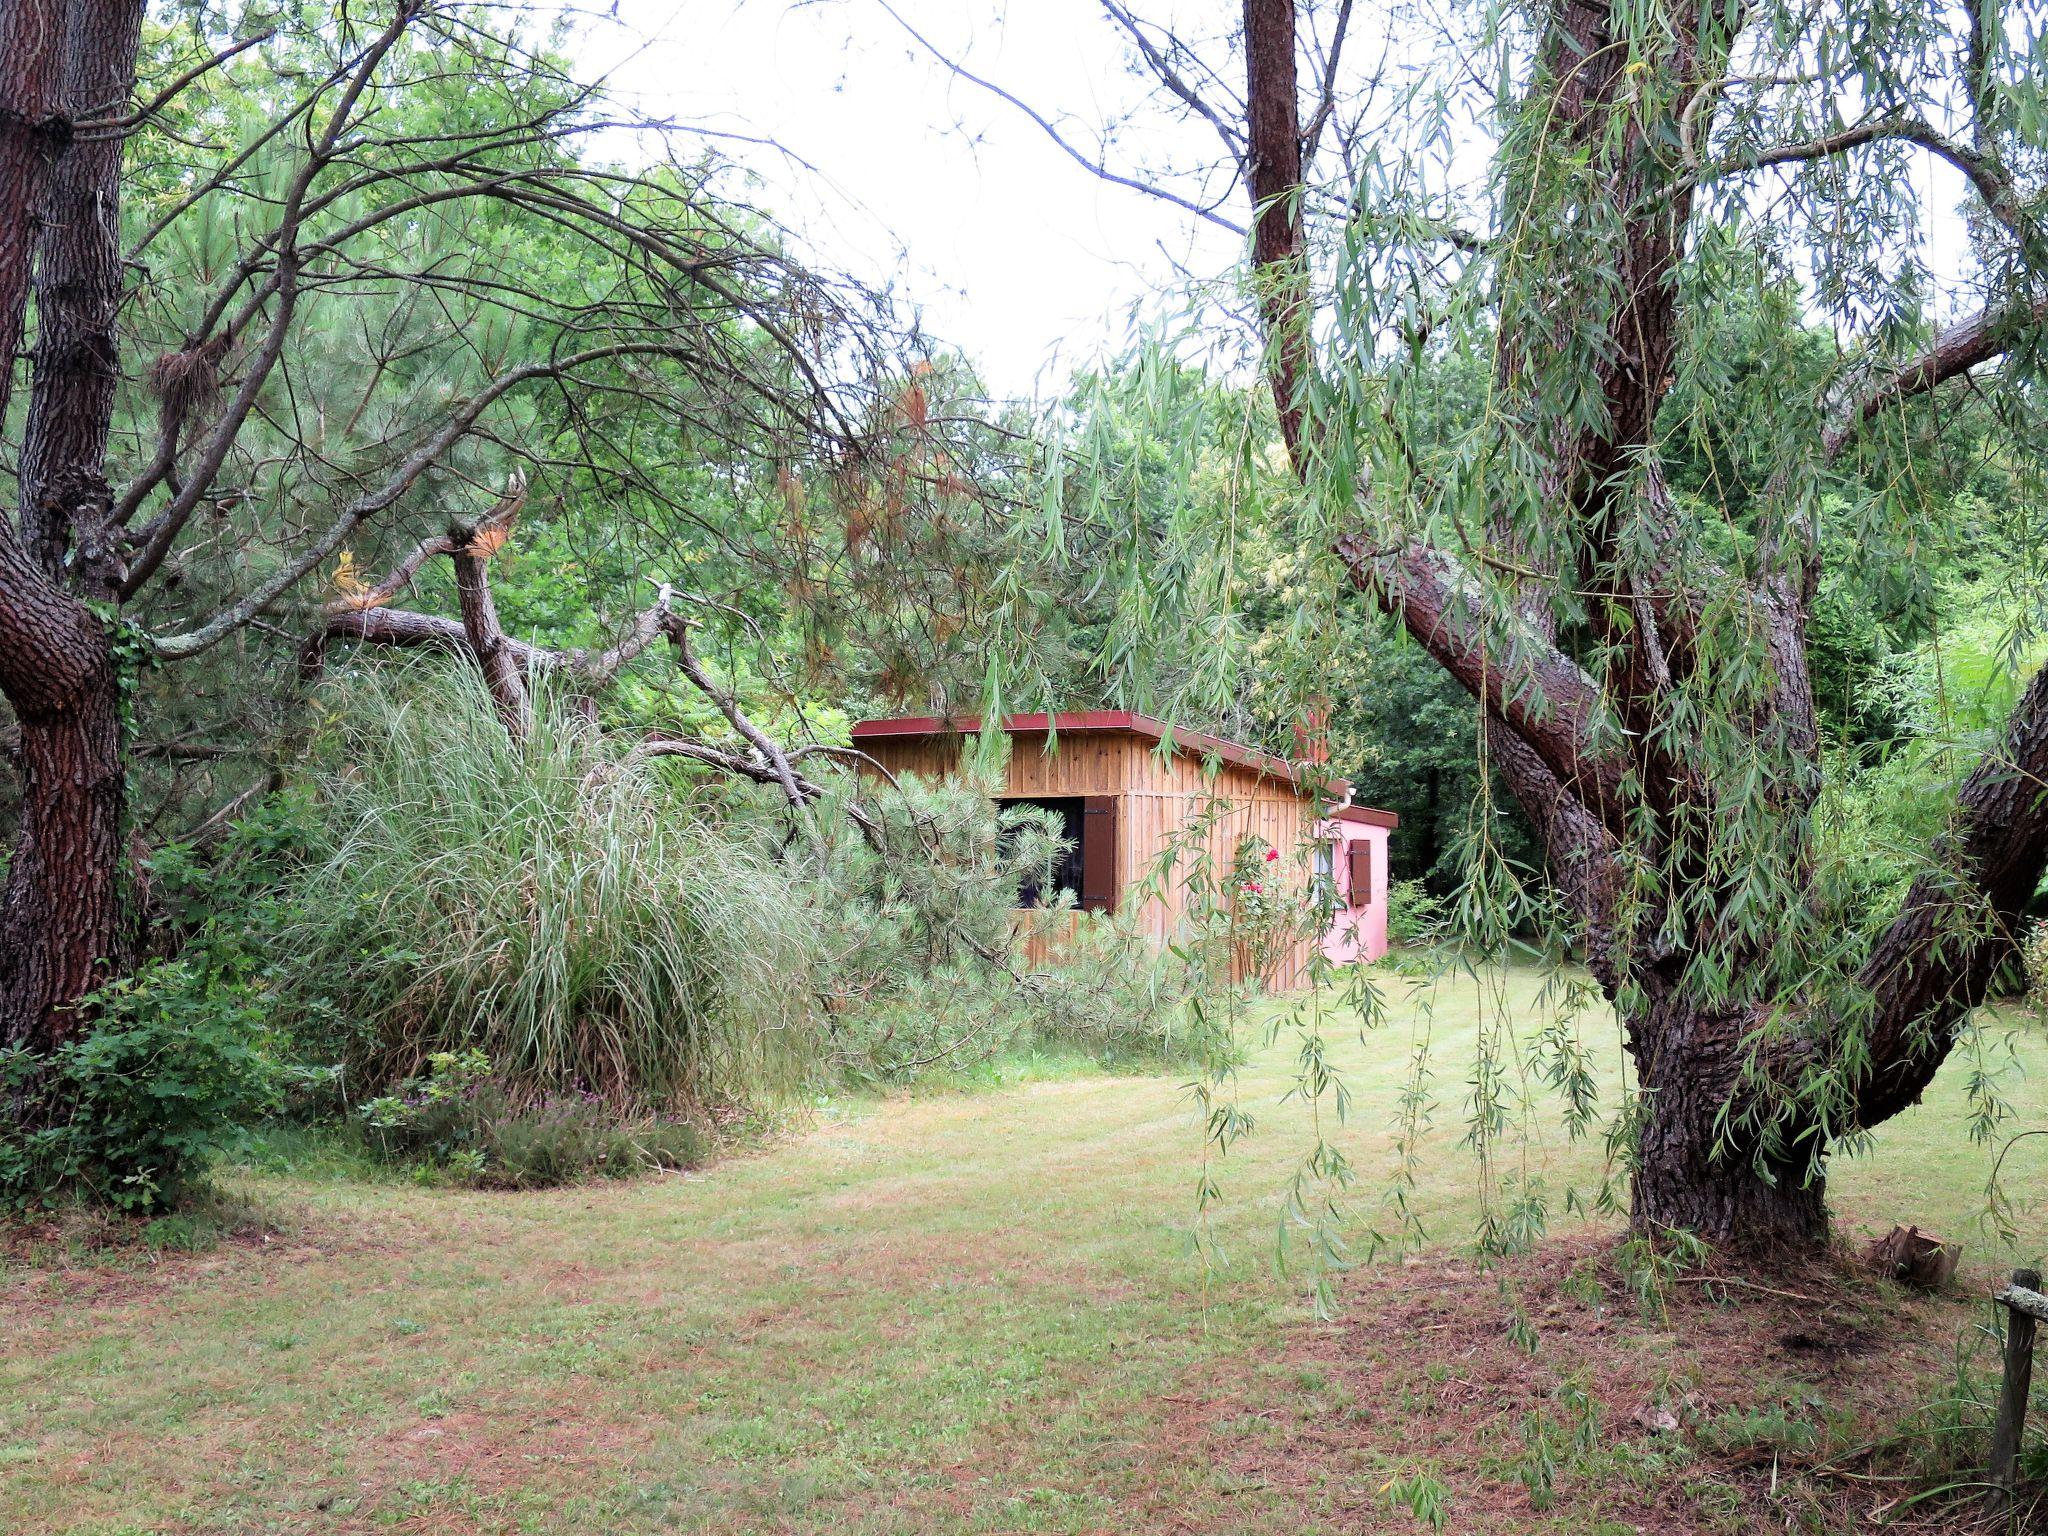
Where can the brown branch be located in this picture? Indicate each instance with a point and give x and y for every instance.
(376, 500)
(128, 121)
(1273, 170)
(596, 668)
(402, 628)
(1981, 170)
(502, 666)
(1525, 683)
(1961, 919)
(1956, 350)
(802, 791)
(677, 629)
(1326, 97)
(507, 663)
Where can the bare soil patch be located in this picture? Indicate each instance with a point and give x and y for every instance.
(1699, 1404)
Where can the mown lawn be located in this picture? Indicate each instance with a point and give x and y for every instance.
(968, 1311)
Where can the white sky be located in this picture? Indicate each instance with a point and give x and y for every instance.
(1013, 253)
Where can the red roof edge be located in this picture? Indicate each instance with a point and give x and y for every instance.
(1201, 743)
(1077, 722)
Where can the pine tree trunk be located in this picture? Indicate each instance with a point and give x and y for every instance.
(60, 919)
(1693, 1169)
(77, 289)
(60, 908)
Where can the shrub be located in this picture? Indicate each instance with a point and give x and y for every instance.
(130, 1112)
(173, 1063)
(557, 903)
(558, 921)
(1110, 992)
(1106, 994)
(456, 1120)
(2034, 959)
(920, 969)
(1414, 916)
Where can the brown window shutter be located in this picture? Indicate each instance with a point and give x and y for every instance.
(1098, 853)
(1358, 855)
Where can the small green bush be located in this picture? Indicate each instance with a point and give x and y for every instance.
(1414, 916)
(130, 1112)
(455, 1121)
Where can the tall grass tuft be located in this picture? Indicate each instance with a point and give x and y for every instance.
(556, 903)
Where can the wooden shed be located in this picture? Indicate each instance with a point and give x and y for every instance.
(1126, 788)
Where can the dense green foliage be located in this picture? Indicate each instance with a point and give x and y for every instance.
(556, 903)
(171, 1076)
(514, 963)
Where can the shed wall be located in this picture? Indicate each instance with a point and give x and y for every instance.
(1360, 932)
(1159, 797)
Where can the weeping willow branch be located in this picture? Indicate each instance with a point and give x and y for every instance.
(1527, 684)
(1955, 351)
(1961, 919)
(1983, 173)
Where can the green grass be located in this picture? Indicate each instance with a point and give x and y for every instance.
(950, 1311)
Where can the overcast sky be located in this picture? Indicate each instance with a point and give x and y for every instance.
(905, 174)
(1013, 253)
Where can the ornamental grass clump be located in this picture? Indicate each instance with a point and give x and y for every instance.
(559, 904)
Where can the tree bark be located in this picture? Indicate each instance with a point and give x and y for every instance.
(33, 134)
(1273, 174)
(60, 918)
(65, 499)
(1694, 1169)
(57, 908)
(60, 907)
(503, 672)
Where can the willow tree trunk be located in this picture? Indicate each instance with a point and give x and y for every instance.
(1695, 1169)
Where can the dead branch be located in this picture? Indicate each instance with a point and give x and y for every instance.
(127, 122)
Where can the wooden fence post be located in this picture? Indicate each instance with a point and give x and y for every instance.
(2024, 1306)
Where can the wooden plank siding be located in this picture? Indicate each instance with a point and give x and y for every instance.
(1158, 798)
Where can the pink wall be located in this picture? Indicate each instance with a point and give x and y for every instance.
(1360, 933)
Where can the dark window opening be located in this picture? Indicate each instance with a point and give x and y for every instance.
(1066, 864)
